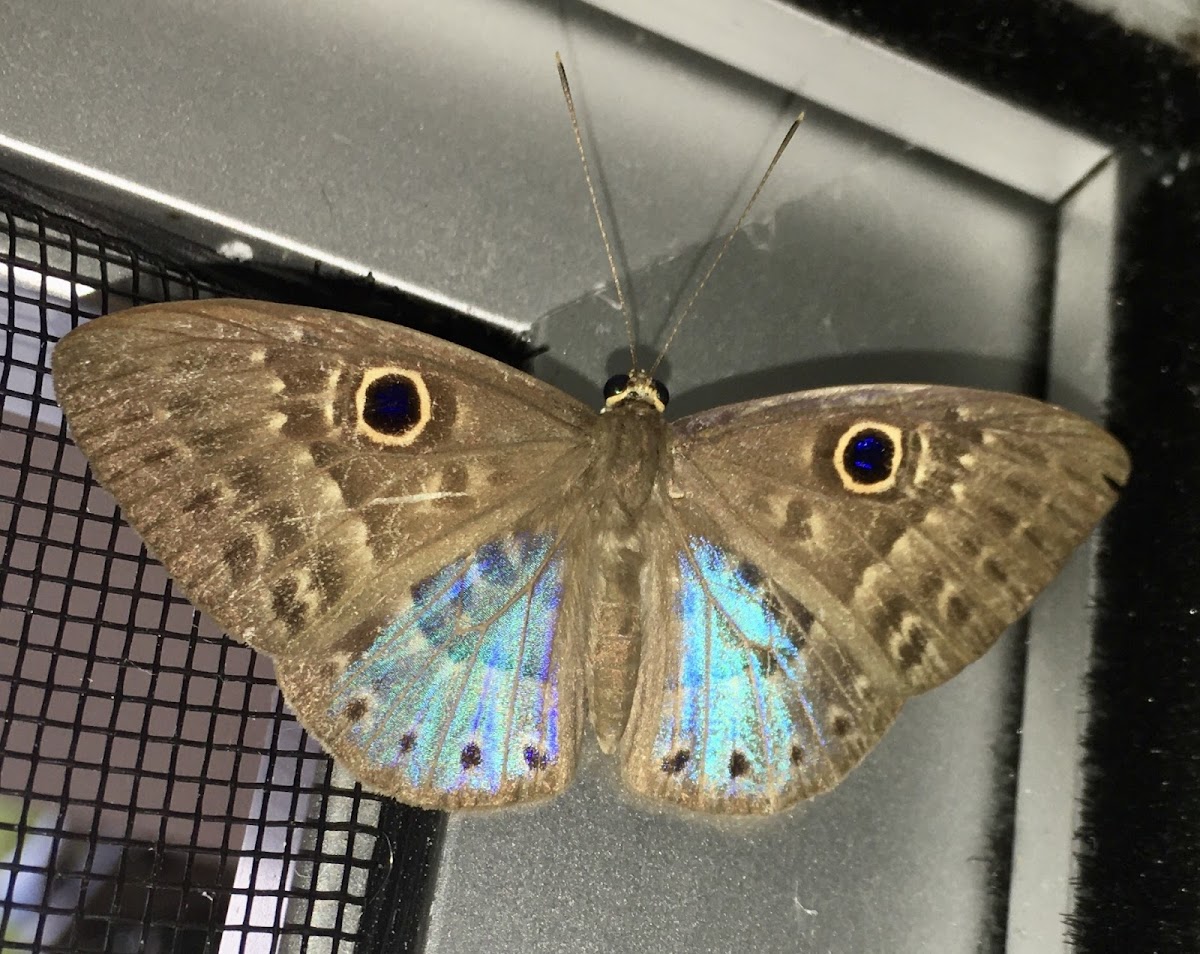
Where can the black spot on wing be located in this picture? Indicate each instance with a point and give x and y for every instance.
(358, 639)
(957, 610)
(288, 607)
(249, 479)
(931, 586)
(328, 574)
(971, 546)
(912, 650)
(674, 764)
(240, 556)
(803, 618)
(535, 758)
(749, 574)
(203, 500)
(995, 571)
(471, 756)
(1005, 520)
(797, 524)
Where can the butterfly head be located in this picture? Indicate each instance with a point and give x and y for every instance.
(635, 386)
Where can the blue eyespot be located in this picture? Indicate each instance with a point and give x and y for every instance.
(392, 404)
(869, 456)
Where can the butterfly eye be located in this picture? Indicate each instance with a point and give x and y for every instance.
(393, 405)
(663, 394)
(615, 385)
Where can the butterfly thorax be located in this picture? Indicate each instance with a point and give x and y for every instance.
(631, 444)
(632, 459)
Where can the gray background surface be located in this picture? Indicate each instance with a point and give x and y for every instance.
(432, 148)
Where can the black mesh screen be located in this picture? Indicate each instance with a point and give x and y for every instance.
(154, 794)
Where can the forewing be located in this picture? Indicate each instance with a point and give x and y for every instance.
(229, 434)
(989, 495)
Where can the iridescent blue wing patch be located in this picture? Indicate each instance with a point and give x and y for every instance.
(744, 704)
(467, 696)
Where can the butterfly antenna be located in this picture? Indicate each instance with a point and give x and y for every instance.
(687, 309)
(587, 175)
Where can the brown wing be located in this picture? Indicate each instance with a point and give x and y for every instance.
(824, 555)
(984, 498)
(305, 475)
(748, 698)
(229, 434)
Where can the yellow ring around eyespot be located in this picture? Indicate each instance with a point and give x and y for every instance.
(372, 375)
(894, 434)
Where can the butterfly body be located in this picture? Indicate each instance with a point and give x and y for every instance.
(631, 471)
(453, 564)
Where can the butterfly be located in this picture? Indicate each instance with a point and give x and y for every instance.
(455, 566)
(447, 558)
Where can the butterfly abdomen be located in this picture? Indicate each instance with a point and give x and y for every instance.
(614, 646)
